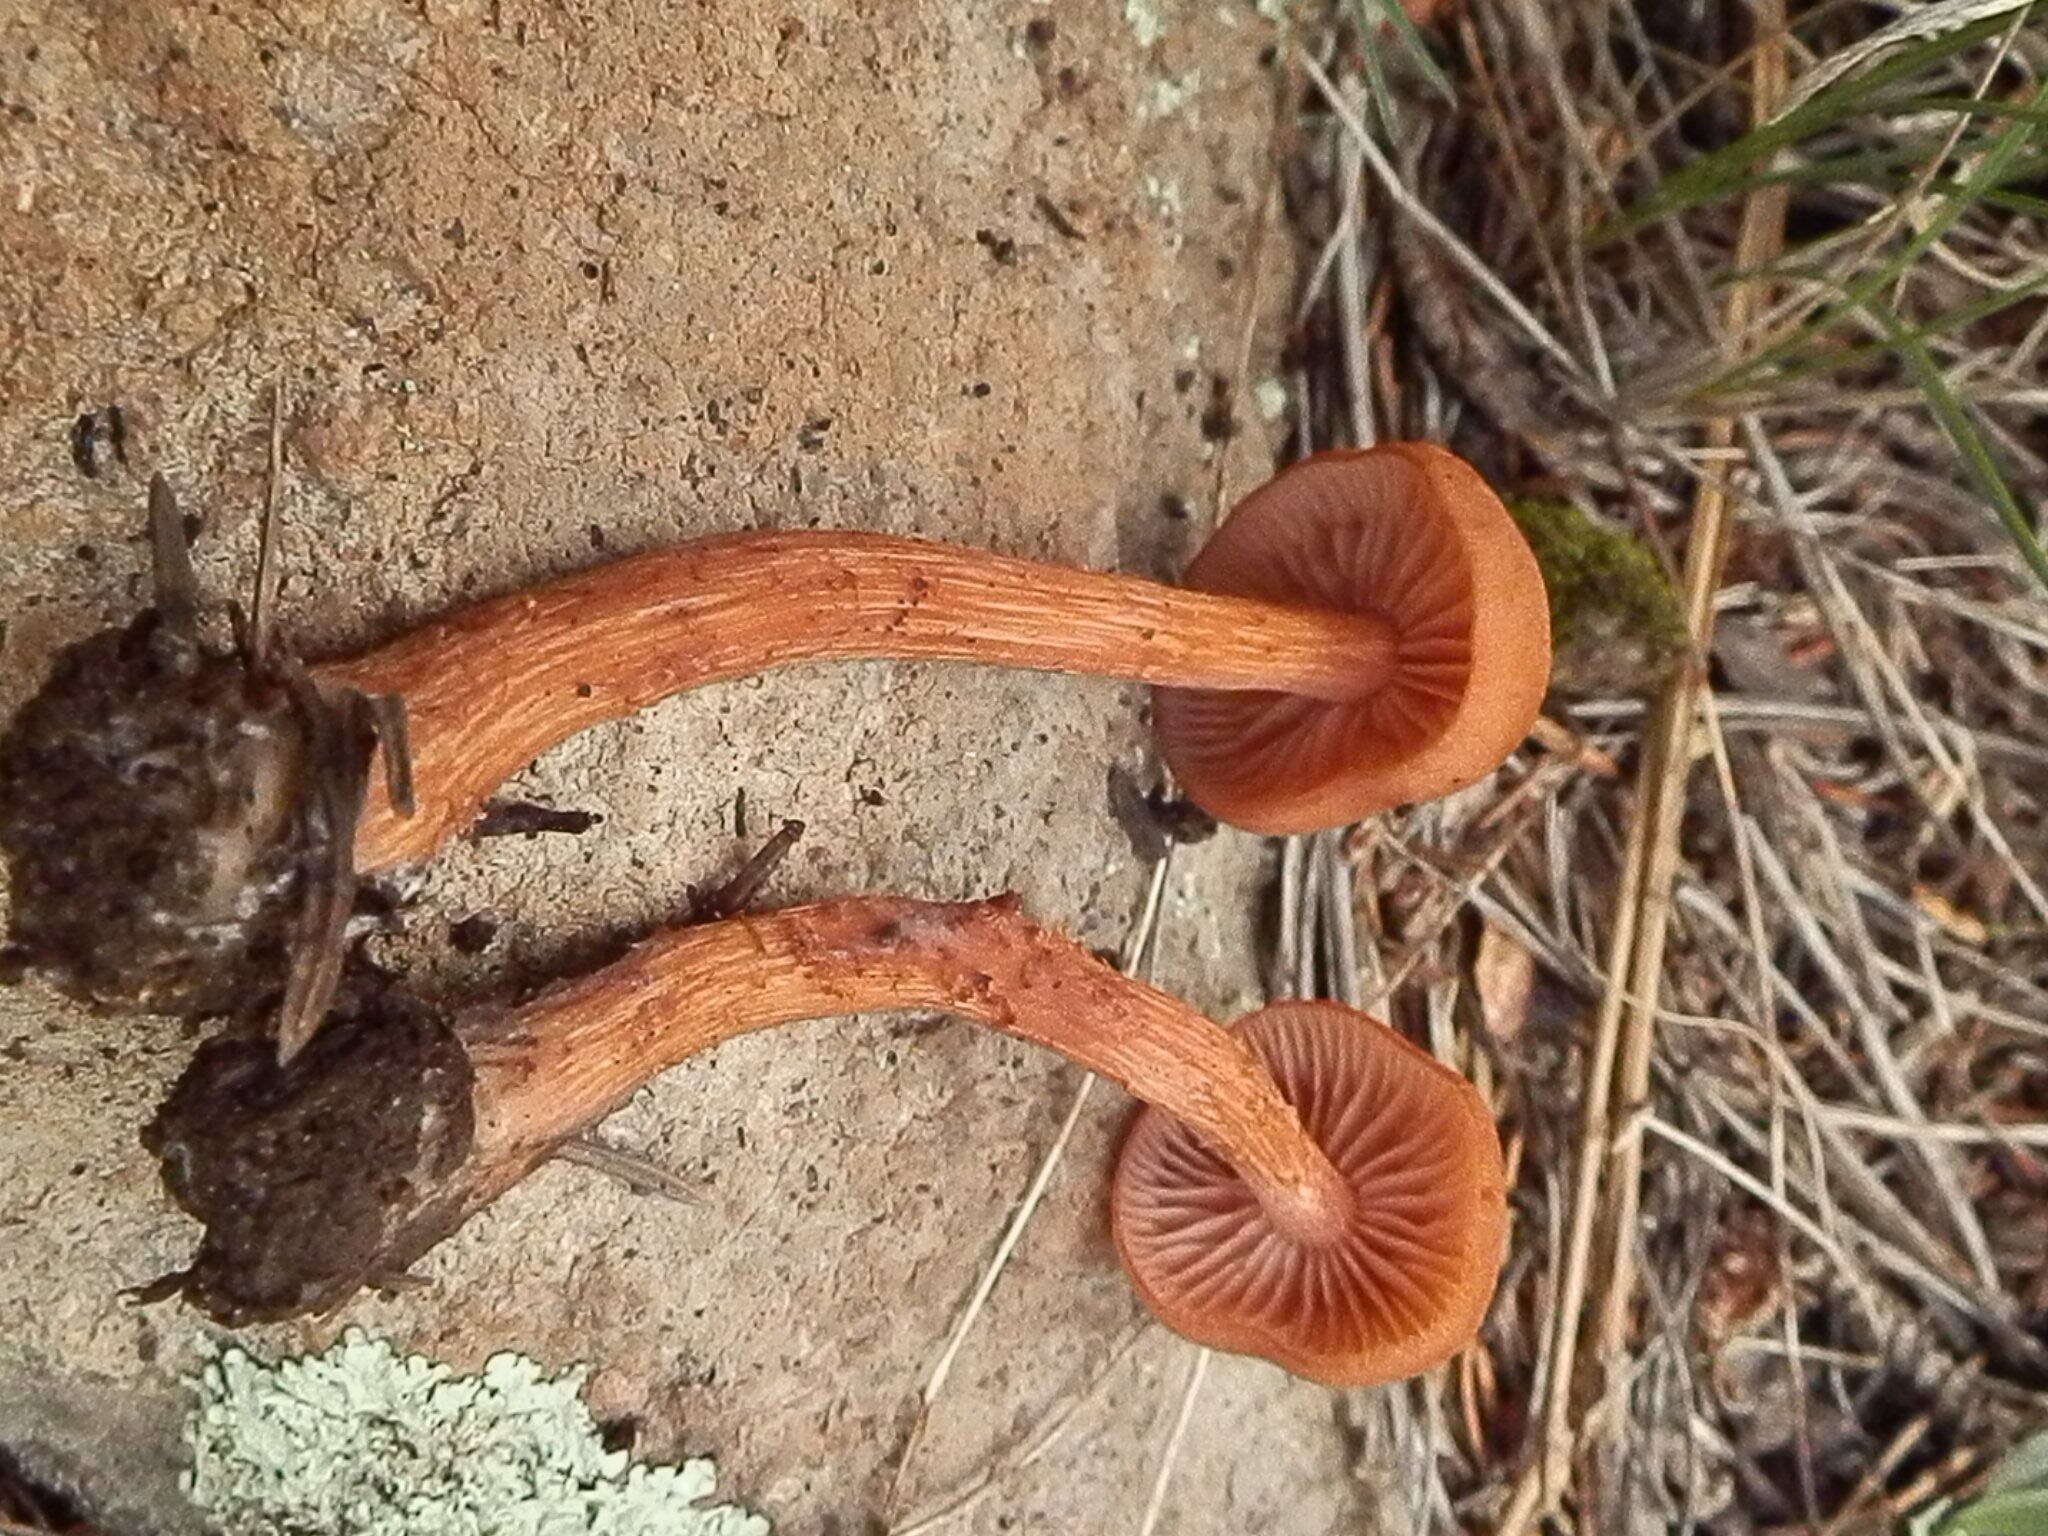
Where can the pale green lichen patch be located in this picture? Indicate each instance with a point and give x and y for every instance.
(1167, 95)
(361, 1441)
(1615, 621)
(1164, 196)
(1144, 21)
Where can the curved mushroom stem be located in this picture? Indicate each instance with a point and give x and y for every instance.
(488, 689)
(318, 1178)
(564, 1060)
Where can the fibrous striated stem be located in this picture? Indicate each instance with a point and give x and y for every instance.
(489, 688)
(571, 1055)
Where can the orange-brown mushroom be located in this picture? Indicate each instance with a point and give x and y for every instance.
(1401, 1275)
(1368, 628)
(391, 1128)
(1408, 533)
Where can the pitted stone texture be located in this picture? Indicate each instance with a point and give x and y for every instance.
(546, 283)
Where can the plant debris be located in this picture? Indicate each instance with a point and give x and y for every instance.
(1785, 1049)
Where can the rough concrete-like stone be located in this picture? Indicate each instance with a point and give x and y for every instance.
(549, 282)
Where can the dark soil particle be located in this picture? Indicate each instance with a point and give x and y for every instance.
(473, 934)
(311, 1178)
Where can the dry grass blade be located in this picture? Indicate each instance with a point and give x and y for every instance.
(1162, 1480)
(1032, 1447)
(1603, 1220)
(1134, 961)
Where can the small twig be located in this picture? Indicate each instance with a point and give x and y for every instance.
(263, 606)
(737, 893)
(638, 1174)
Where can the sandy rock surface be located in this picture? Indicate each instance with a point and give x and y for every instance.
(551, 282)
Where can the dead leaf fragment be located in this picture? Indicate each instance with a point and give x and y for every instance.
(1957, 922)
(1505, 975)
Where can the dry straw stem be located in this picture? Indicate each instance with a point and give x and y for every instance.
(1601, 1236)
(1135, 960)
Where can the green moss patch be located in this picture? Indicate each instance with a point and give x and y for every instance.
(1615, 620)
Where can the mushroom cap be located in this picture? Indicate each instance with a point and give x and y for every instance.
(1407, 532)
(1403, 1286)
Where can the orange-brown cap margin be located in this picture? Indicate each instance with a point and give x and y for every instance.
(1403, 1287)
(1411, 533)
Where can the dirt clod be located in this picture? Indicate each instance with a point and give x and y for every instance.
(304, 1174)
(149, 814)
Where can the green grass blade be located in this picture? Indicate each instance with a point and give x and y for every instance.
(1998, 156)
(1960, 425)
(2004, 1514)
(1869, 168)
(2023, 1467)
(1865, 168)
(1417, 48)
(1974, 106)
(1724, 172)
(2018, 202)
(1836, 359)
